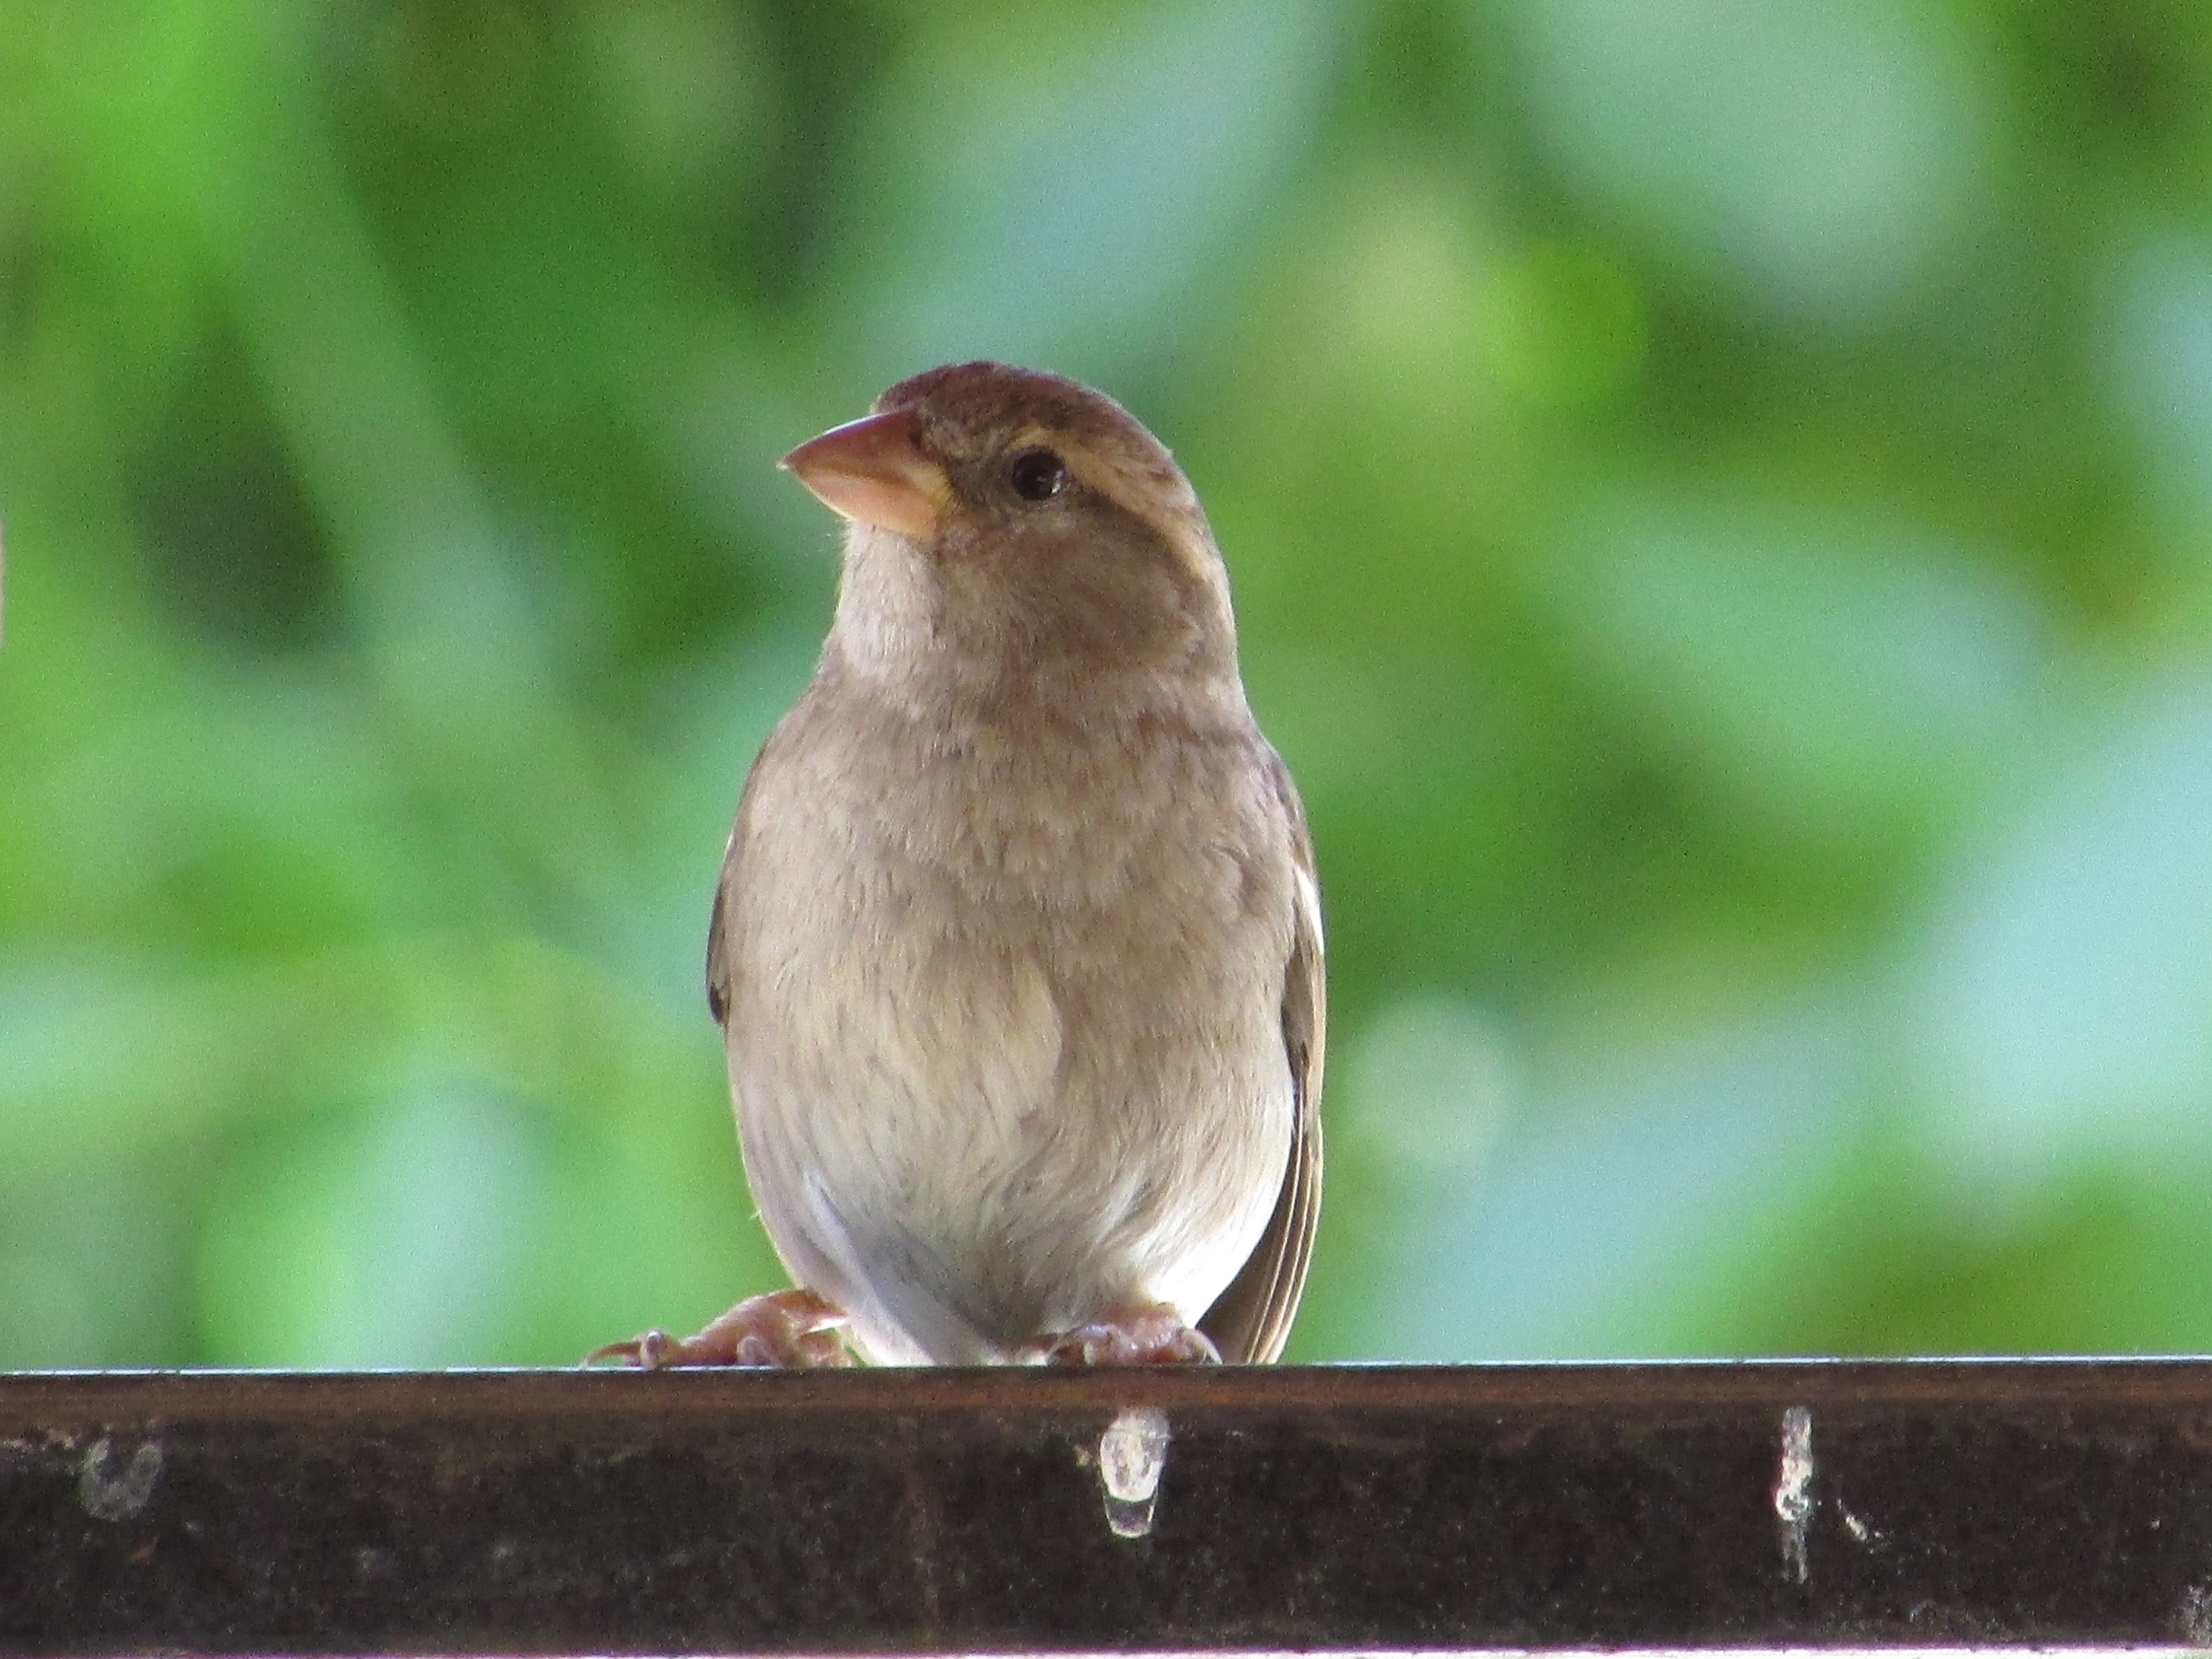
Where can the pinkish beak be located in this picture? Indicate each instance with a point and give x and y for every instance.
(874, 472)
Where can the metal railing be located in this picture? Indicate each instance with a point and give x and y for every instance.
(1868, 1504)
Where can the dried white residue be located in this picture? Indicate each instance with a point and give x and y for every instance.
(2196, 1619)
(113, 1489)
(1793, 1490)
(1860, 1531)
(1133, 1455)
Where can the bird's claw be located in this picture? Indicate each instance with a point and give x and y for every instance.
(789, 1330)
(1143, 1333)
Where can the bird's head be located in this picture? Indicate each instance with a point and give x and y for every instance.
(1012, 522)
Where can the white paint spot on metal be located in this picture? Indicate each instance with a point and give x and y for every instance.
(1132, 1454)
(1858, 1529)
(1793, 1490)
(108, 1493)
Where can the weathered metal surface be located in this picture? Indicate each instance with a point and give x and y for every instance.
(1867, 1505)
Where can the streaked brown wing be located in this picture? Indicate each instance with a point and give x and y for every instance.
(1250, 1320)
(718, 964)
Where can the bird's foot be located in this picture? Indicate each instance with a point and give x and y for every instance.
(1134, 1333)
(793, 1330)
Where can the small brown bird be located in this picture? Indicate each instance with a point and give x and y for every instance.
(1018, 947)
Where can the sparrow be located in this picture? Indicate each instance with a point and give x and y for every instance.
(1017, 950)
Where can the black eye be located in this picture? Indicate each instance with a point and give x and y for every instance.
(1037, 474)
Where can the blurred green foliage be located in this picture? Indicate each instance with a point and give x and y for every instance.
(1720, 500)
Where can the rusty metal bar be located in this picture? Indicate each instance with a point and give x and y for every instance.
(1866, 1504)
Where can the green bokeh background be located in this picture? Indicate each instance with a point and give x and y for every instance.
(1720, 498)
